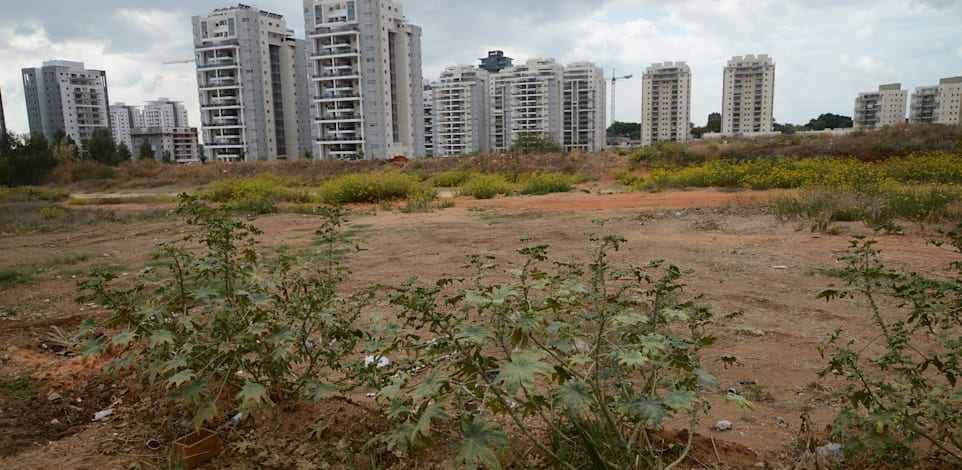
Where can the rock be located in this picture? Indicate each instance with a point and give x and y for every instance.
(723, 425)
(103, 414)
(831, 453)
(54, 422)
(54, 396)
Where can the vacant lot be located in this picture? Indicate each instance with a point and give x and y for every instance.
(744, 260)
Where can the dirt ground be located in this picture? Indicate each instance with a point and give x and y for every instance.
(744, 260)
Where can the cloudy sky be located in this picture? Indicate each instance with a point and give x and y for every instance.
(826, 51)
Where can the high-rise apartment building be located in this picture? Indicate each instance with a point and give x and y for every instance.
(252, 98)
(666, 103)
(460, 111)
(877, 109)
(526, 99)
(165, 113)
(584, 107)
(427, 94)
(748, 95)
(366, 84)
(950, 101)
(124, 119)
(170, 144)
(496, 62)
(3, 121)
(924, 105)
(63, 95)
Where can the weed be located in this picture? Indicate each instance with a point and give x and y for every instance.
(16, 391)
(486, 186)
(367, 187)
(14, 277)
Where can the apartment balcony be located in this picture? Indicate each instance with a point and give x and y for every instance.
(330, 98)
(335, 53)
(232, 45)
(221, 65)
(331, 31)
(221, 85)
(335, 75)
(334, 140)
(214, 127)
(332, 119)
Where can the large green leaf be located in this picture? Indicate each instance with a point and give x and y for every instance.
(475, 334)
(206, 414)
(317, 391)
(574, 396)
(253, 396)
(646, 410)
(502, 294)
(162, 337)
(177, 380)
(123, 338)
(479, 442)
(632, 359)
(429, 386)
(681, 400)
(422, 431)
(520, 371)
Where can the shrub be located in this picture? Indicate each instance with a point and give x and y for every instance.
(599, 357)
(452, 179)
(900, 405)
(420, 200)
(367, 187)
(33, 192)
(52, 212)
(226, 324)
(259, 194)
(486, 186)
(545, 183)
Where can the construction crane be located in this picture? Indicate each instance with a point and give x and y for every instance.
(185, 61)
(614, 80)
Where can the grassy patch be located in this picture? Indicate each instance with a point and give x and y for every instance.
(23, 193)
(260, 194)
(486, 186)
(16, 391)
(367, 187)
(114, 200)
(14, 277)
(546, 183)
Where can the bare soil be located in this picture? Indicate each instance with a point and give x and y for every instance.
(744, 260)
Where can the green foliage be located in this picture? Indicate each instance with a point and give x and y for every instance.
(215, 321)
(13, 277)
(367, 187)
(16, 391)
(486, 186)
(145, 151)
(624, 130)
(546, 183)
(101, 147)
(829, 121)
(901, 405)
(259, 194)
(420, 200)
(452, 179)
(529, 143)
(24, 160)
(667, 153)
(33, 192)
(597, 356)
(123, 153)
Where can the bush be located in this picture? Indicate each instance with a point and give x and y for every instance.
(486, 186)
(452, 179)
(598, 357)
(545, 183)
(900, 405)
(228, 325)
(260, 194)
(21, 193)
(367, 187)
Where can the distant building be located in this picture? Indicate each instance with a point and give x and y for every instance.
(124, 119)
(427, 94)
(748, 95)
(179, 145)
(950, 101)
(63, 95)
(460, 111)
(165, 113)
(496, 62)
(584, 107)
(925, 105)
(3, 121)
(366, 84)
(666, 103)
(252, 98)
(877, 109)
(526, 99)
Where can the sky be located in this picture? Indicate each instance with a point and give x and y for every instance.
(825, 51)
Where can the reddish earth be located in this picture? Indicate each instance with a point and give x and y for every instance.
(744, 261)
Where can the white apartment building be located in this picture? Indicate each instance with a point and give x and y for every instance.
(63, 95)
(526, 99)
(179, 144)
(427, 94)
(252, 98)
(748, 95)
(666, 103)
(584, 107)
(950, 101)
(124, 119)
(460, 111)
(877, 109)
(165, 113)
(924, 105)
(366, 84)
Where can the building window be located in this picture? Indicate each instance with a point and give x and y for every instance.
(351, 16)
(231, 31)
(203, 29)
(318, 14)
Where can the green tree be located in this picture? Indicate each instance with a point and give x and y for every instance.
(829, 121)
(165, 157)
(145, 152)
(627, 130)
(24, 160)
(64, 149)
(101, 147)
(123, 153)
(714, 122)
(527, 143)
